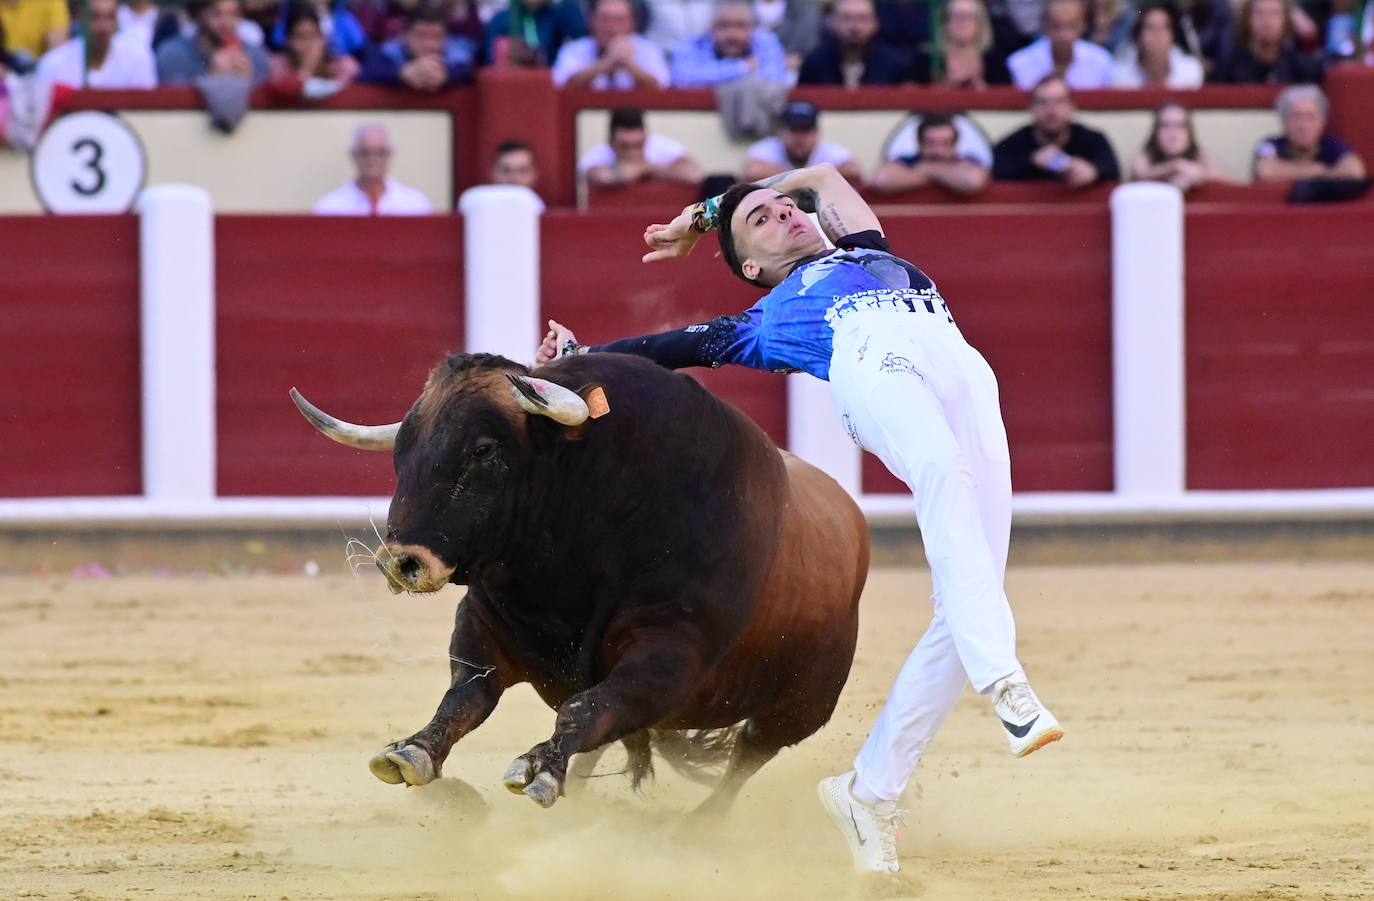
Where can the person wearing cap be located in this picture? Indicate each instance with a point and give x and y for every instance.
(796, 146)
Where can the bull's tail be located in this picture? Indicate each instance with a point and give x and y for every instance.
(698, 754)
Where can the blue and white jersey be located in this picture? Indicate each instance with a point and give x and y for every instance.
(792, 327)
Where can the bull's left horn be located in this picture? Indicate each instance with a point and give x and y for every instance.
(363, 437)
(544, 398)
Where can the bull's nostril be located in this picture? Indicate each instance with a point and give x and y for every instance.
(408, 568)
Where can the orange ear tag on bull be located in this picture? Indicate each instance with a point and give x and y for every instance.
(597, 406)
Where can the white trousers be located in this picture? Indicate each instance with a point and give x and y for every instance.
(913, 392)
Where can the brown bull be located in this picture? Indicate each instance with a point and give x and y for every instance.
(657, 569)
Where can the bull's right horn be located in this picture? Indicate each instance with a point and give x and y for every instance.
(363, 437)
(544, 398)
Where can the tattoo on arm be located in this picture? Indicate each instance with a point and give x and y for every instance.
(831, 222)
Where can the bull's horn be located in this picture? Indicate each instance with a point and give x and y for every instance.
(363, 437)
(543, 398)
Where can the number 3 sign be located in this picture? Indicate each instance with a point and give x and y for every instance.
(88, 162)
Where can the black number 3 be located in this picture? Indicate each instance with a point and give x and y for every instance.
(93, 164)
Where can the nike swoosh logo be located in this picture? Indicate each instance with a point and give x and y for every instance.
(857, 834)
(1017, 731)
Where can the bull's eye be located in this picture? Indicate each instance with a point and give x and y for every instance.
(483, 449)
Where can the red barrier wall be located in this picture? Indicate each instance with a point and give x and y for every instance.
(354, 312)
(69, 342)
(1031, 290)
(593, 282)
(1280, 347)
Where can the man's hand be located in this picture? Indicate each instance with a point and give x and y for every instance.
(1080, 173)
(424, 73)
(671, 241)
(552, 345)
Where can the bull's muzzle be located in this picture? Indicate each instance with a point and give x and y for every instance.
(412, 568)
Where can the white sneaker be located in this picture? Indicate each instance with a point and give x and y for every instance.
(870, 831)
(1029, 725)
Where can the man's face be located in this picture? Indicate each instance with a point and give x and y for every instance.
(731, 29)
(769, 232)
(425, 39)
(612, 19)
(222, 18)
(799, 142)
(1064, 23)
(937, 144)
(305, 37)
(854, 21)
(1267, 21)
(1304, 123)
(1052, 107)
(628, 144)
(515, 167)
(103, 21)
(372, 155)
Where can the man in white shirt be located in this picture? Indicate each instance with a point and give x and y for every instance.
(1062, 51)
(373, 192)
(633, 155)
(115, 60)
(797, 145)
(614, 57)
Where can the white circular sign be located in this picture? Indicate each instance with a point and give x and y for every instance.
(88, 162)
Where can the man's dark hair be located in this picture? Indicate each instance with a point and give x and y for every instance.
(934, 120)
(630, 117)
(424, 13)
(513, 145)
(729, 202)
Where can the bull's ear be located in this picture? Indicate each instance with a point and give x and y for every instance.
(544, 398)
(595, 398)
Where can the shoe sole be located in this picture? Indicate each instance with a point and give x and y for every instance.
(1051, 735)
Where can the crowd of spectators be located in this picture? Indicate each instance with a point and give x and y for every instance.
(428, 45)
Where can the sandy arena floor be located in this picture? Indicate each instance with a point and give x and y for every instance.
(207, 737)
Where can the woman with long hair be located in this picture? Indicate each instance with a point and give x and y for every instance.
(1154, 57)
(1172, 153)
(969, 59)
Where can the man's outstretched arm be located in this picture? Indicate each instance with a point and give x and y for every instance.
(817, 189)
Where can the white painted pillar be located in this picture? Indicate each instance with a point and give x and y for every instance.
(1149, 408)
(816, 434)
(177, 314)
(501, 259)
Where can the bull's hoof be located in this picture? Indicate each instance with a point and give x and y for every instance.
(518, 774)
(409, 764)
(543, 790)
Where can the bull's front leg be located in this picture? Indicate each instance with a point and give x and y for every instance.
(478, 676)
(652, 680)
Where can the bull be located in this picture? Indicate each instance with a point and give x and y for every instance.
(659, 571)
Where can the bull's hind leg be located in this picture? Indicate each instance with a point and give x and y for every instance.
(652, 680)
(477, 677)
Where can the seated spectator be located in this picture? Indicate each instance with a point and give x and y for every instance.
(734, 48)
(306, 64)
(1265, 50)
(532, 32)
(1111, 23)
(613, 57)
(424, 58)
(936, 162)
(1305, 150)
(1062, 51)
(1172, 153)
(147, 23)
(214, 48)
(33, 27)
(797, 144)
(373, 192)
(851, 54)
(113, 61)
(970, 60)
(634, 156)
(1154, 57)
(342, 32)
(1340, 39)
(970, 141)
(1054, 147)
(514, 165)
